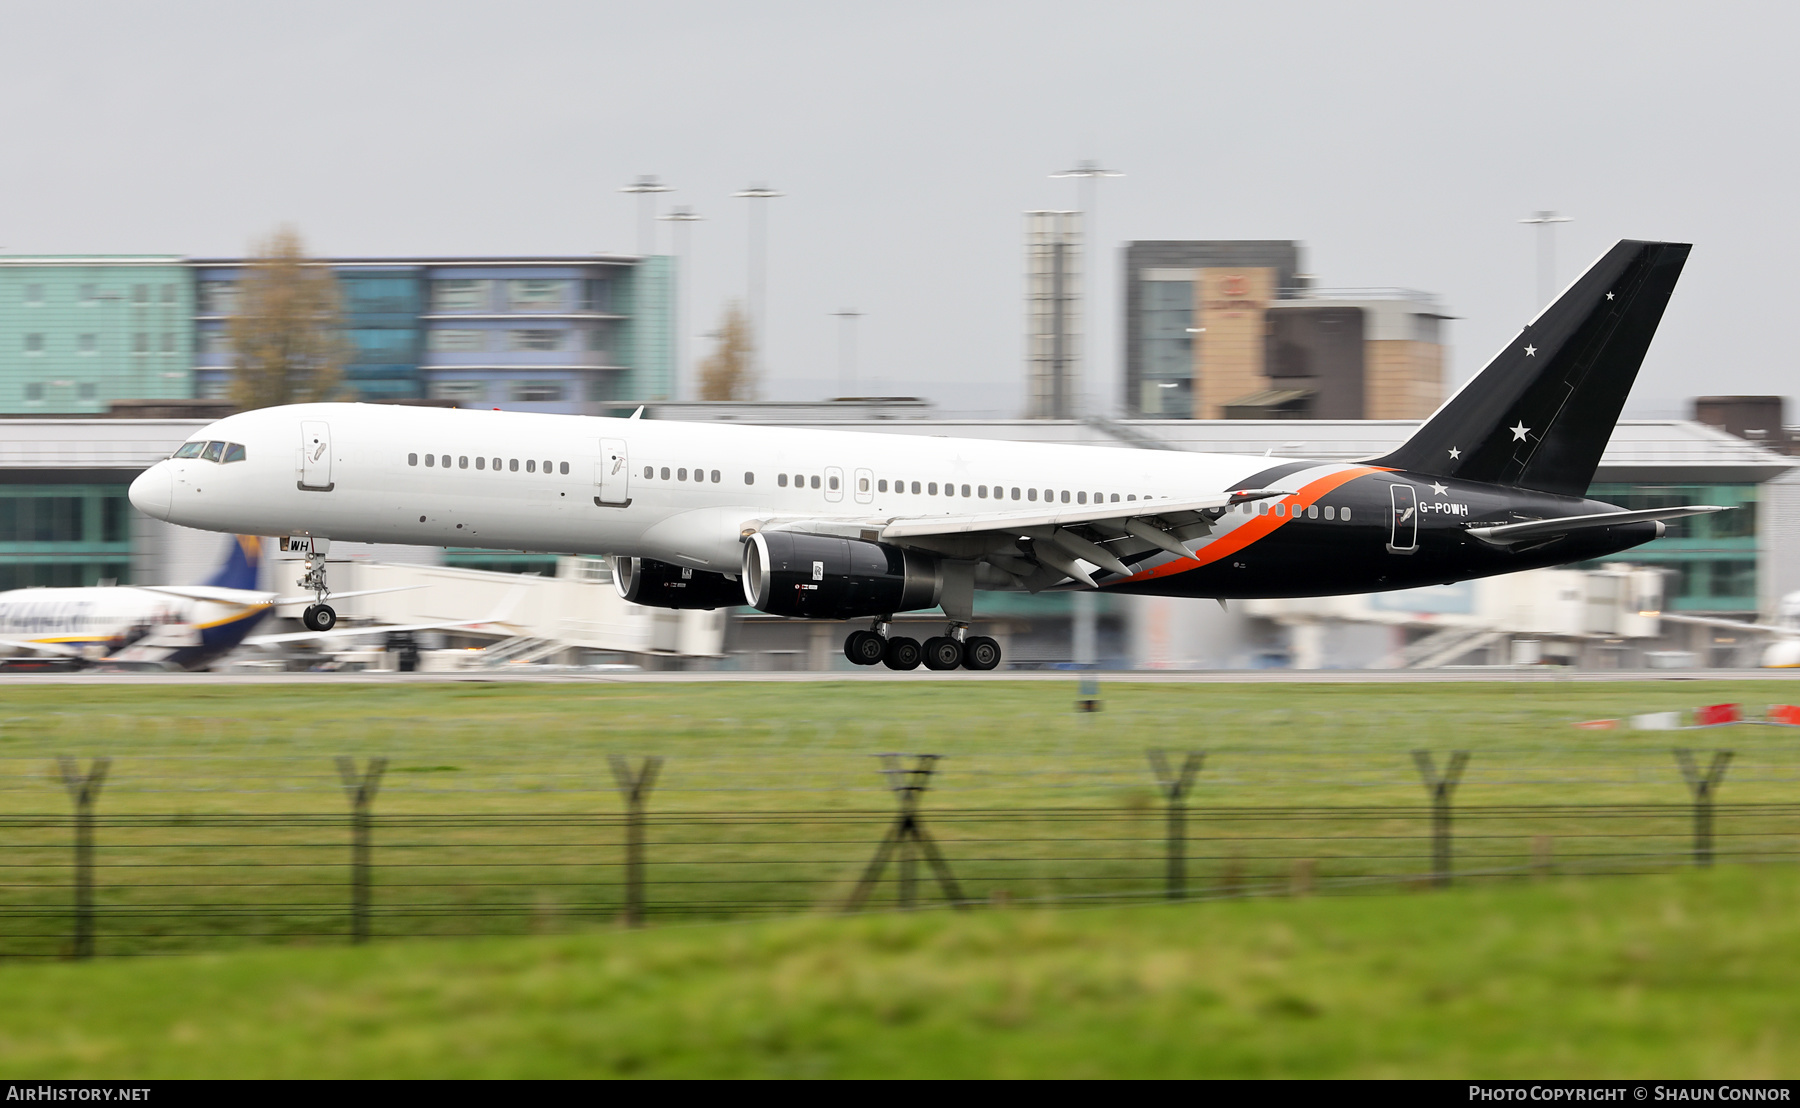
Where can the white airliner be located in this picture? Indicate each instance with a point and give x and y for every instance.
(841, 525)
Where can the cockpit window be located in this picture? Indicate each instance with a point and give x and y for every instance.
(190, 450)
(213, 451)
(234, 451)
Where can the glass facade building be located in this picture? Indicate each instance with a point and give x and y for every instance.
(79, 332)
(1712, 561)
(570, 335)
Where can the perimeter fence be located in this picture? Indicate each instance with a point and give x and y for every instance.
(80, 883)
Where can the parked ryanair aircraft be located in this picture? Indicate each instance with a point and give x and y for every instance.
(150, 626)
(840, 525)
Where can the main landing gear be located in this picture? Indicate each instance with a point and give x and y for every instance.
(318, 616)
(940, 652)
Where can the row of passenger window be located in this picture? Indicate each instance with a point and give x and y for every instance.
(1280, 511)
(212, 451)
(699, 475)
(511, 464)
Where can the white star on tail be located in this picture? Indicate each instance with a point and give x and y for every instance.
(1609, 296)
(1455, 453)
(1519, 431)
(1439, 489)
(1531, 351)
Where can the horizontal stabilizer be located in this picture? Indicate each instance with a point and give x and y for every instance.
(1544, 528)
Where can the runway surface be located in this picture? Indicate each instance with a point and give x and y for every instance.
(1536, 675)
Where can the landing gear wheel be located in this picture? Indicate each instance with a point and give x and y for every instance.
(319, 617)
(980, 652)
(865, 648)
(902, 653)
(943, 652)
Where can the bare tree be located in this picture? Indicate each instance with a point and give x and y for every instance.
(287, 340)
(725, 374)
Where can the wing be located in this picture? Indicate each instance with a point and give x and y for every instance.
(62, 649)
(250, 597)
(1039, 547)
(376, 629)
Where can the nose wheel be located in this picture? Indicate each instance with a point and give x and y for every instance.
(319, 617)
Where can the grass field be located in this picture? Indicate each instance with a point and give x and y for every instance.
(518, 747)
(1688, 975)
(223, 821)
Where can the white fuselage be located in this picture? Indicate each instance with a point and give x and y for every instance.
(678, 492)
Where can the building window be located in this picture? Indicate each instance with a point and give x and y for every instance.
(218, 297)
(140, 342)
(89, 294)
(532, 295)
(596, 296)
(34, 392)
(88, 343)
(537, 392)
(86, 390)
(459, 295)
(140, 294)
(536, 339)
(168, 342)
(168, 294)
(34, 295)
(459, 390)
(34, 344)
(445, 340)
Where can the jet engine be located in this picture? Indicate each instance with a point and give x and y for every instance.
(826, 577)
(661, 585)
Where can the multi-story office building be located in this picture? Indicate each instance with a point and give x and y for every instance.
(77, 332)
(571, 334)
(1233, 330)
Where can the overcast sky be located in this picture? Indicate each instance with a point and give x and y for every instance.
(1400, 143)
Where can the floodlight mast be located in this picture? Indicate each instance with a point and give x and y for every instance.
(758, 274)
(1546, 224)
(644, 188)
(847, 318)
(680, 217)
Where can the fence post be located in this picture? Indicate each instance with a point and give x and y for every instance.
(1175, 787)
(361, 789)
(1703, 787)
(635, 787)
(1440, 789)
(84, 789)
(908, 784)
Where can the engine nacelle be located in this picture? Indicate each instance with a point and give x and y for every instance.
(661, 585)
(825, 577)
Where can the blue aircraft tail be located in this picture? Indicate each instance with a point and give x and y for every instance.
(242, 563)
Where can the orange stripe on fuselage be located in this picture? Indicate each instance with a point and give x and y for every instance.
(1257, 526)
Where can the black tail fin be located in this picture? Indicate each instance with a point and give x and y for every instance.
(1539, 416)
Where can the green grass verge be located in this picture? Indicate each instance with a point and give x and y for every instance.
(1688, 975)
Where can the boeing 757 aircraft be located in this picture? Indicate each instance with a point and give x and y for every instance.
(848, 525)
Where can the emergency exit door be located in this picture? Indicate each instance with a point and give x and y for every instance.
(1405, 536)
(612, 476)
(315, 455)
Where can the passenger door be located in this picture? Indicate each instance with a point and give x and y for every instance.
(1404, 539)
(315, 455)
(612, 476)
(864, 489)
(834, 484)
